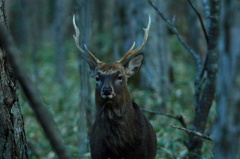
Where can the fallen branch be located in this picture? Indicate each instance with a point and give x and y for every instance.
(193, 132)
(178, 117)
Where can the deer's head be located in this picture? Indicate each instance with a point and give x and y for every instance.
(111, 78)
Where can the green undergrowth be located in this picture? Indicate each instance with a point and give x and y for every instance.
(62, 100)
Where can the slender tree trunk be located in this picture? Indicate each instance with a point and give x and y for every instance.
(205, 98)
(99, 9)
(116, 21)
(157, 57)
(156, 50)
(61, 8)
(85, 93)
(29, 31)
(12, 134)
(227, 128)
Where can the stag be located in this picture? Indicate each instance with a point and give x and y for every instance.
(120, 130)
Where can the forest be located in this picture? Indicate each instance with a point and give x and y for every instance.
(188, 86)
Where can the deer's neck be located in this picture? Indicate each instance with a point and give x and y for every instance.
(118, 125)
(116, 107)
(116, 119)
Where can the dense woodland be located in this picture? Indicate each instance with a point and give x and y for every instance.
(189, 79)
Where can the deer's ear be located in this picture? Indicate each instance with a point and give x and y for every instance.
(92, 67)
(134, 64)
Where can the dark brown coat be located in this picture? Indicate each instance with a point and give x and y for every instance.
(124, 134)
(120, 130)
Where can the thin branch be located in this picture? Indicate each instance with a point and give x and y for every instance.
(200, 19)
(199, 79)
(193, 132)
(43, 116)
(195, 55)
(179, 117)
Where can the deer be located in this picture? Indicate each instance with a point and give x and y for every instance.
(120, 130)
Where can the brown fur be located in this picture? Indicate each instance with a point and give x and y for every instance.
(120, 131)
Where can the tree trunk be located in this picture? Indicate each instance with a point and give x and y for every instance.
(226, 132)
(157, 57)
(205, 93)
(13, 143)
(12, 135)
(30, 31)
(85, 105)
(61, 9)
(32, 93)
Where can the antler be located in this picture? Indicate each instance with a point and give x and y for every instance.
(85, 54)
(132, 52)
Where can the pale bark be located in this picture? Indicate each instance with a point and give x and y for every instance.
(226, 132)
(86, 104)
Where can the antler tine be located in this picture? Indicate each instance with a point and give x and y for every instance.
(91, 55)
(76, 39)
(132, 52)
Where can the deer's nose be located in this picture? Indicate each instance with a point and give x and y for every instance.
(107, 91)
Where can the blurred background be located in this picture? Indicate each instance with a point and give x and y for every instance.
(43, 31)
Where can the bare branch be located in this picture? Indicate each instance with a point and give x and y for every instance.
(179, 117)
(200, 19)
(193, 132)
(199, 79)
(195, 55)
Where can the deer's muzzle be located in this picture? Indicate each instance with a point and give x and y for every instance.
(107, 92)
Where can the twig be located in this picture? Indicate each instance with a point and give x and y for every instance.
(200, 19)
(193, 132)
(199, 79)
(179, 117)
(180, 38)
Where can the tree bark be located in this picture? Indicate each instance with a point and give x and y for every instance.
(157, 59)
(12, 134)
(61, 10)
(226, 132)
(204, 98)
(85, 105)
(32, 93)
(13, 143)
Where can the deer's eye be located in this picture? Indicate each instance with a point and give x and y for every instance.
(120, 77)
(97, 78)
